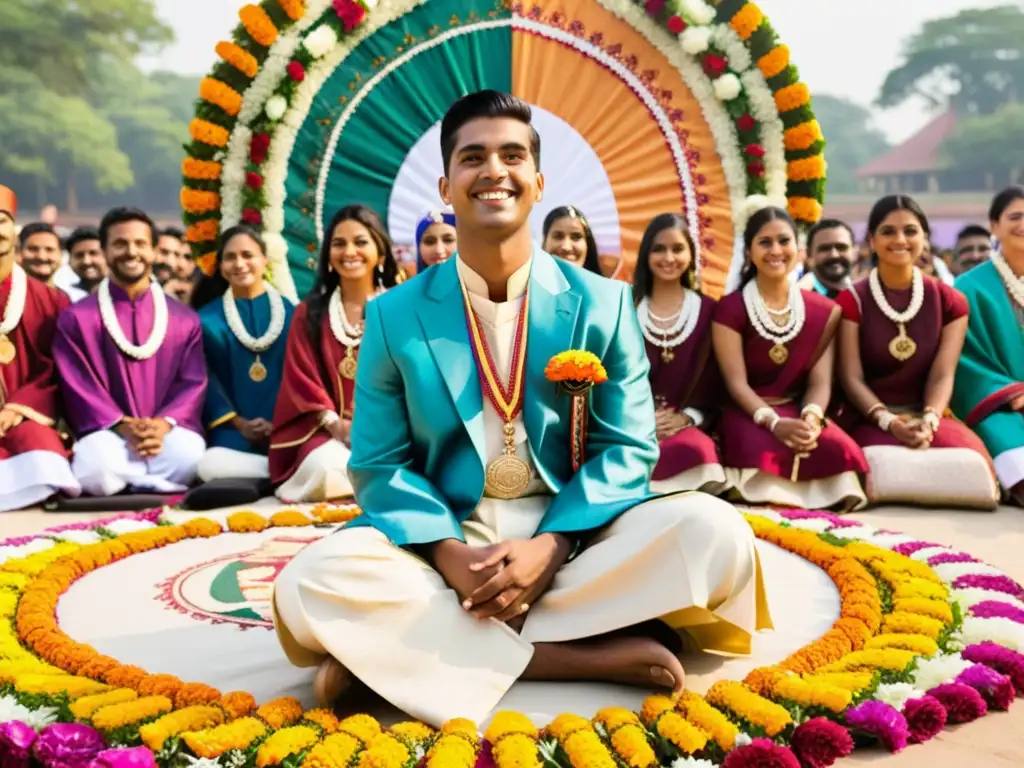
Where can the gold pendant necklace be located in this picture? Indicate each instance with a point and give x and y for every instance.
(902, 347)
(258, 371)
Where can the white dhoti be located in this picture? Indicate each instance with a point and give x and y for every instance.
(322, 476)
(34, 476)
(105, 465)
(389, 617)
(220, 463)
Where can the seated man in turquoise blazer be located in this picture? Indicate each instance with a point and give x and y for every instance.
(506, 517)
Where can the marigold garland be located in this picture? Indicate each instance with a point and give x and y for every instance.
(336, 751)
(774, 62)
(385, 751)
(221, 95)
(206, 132)
(324, 718)
(804, 209)
(746, 21)
(204, 230)
(284, 743)
(792, 97)
(281, 712)
(756, 710)
(576, 365)
(114, 716)
(258, 24)
(803, 136)
(920, 644)
(155, 734)
(807, 169)
(293, 9)
(628, 737)
(84, 707)
(696, 710)
(200, 170)
(247, 522)
(239, 58)
(659, 715)
(214, 742)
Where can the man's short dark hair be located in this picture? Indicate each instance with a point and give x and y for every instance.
(80, 235)
(36, 228)
(122, 216)
(972, 230)
(485, 104)
(176, 232)
(826, 224)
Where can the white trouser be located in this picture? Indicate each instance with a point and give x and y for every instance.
(228, 464)
(104, 464)
(1010, 467)
(34, 476)
(322, 476)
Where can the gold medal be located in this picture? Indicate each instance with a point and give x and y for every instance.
(7, 350)
(258, 371)
(902, 347)
(348, 366)
(779, 354)
(508, 476)
(667, 355)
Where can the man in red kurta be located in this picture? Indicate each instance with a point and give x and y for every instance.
(33, 460)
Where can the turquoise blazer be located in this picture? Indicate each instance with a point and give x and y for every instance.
(417, 464)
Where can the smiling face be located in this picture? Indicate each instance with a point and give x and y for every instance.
(1009, 230)
(567, 239)
(129, 251)
(493, 181)
(165, 264)
(438, 243)
(354, 252)
(899, 240)
(832, 254)
(670, 256)
(774, 250)
(243, 263)
(86, 260)
(41, 256)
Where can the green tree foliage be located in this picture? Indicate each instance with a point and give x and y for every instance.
(852, 140)
(988, 142)
(974, 60)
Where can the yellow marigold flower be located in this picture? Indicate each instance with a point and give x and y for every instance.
(26, 664)
(516, 750)
(363, 727)
(199, 201)
(586, 750)
(813, 693)
(8, 602)
(16, 581)
(859, 661)
(322, 717)
(505, 723)
(710, 720)
(285, 743)
(154, 734)
(854, 682)
(654, 706)
(615, 717)
(293, 9)
(912, 624)
(206, 132)
(576, 365)
(747, 20)
(84, 707)
(923, 588)
(935, 609)
(803, 136)
(804, 209)
(336, 751)
(202, 170)
(246, 522)
(461, 726)
(413, 732)
(258, 24)
(452, 751)
(774, 62)
(807, 169)
(684, 736)
(631, 744)
(921, 644)
(221, 95)
(214, 742)
(792, 97)
(205, 528)
(565, 724)
(74, 687)
(385, 751)
(289, 518)
(755, 709)
(323, 513)
(38, 562)
(115, 716)
(239, 58)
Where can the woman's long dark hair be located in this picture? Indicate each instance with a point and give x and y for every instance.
(643, 278)
(214, 286)
(890, 203)
(384, 276)
(591, 262)
(755, 224)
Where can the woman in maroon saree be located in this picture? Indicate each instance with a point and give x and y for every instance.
(900, 340)
(774, 345)
(676, 323)
(309, 444)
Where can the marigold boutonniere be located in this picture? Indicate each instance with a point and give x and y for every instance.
(575, 371)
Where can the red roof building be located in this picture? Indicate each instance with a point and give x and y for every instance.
(915, 165)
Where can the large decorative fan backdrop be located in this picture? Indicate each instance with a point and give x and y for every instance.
(643, 108)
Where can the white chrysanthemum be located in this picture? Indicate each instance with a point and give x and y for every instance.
(79, 536)
(735, 50)
(896, 695)
(275, 107)
(890, 540)
(815, 524)
(762, 101)
(127, 525)
(970, 596)
(923, 555)
(697, 11)
(691, 762)
(939, 670)
(751, 205)
(321, 41)
(695, 40)
(201, 762)
(24, 550)
(743, 740)
(728, 87)
(1004, 632)
(11, 710)
(854, 532)
(950, 572)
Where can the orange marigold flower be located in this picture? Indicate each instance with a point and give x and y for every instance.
(246, 522)
(207, 262)
(804, 209)
(124, 676)
(192, 694)
(199, 201)
(293, 9)
(221, 95)
(322, 717)
(774, 62)
(97, 666)
(258, 24)
(203, 231)
(116, 716)
(654, 706)
(206, 132)
(289, 518)
(792, 97)
(803, 136)
(281, 712)
(746, 21)
(239, 58)
(237, 704)
(324, 513)
(576, 366)
(807, 168)
(159, 685)
(202, 528)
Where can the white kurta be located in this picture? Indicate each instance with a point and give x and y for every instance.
(389, 617)
(105, 465)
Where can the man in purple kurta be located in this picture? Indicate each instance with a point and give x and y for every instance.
(132, 372)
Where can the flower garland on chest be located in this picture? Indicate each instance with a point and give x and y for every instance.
(902, 347)
(257, 371)
(108, 314)
(667, 333)
(1014, 283)
(12, 313)
(347, 334)
(763, 319)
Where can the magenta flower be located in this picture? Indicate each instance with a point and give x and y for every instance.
(910, 547)
(485, 757)
(997, 609)
(963, 704)
(926, 718)
(761, 753)
(1001, 659)
(1002, 584)
(819, 742)
(995, 687)
(16, 739)
(951, 557)
(878, 719)
(136, 757)
(67, 745)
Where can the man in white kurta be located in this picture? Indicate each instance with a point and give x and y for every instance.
(500, 530)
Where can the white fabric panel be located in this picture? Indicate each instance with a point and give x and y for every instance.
(34, 476)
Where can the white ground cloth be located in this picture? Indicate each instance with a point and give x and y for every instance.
(105, 466)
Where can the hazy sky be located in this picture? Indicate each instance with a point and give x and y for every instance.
(842, 47)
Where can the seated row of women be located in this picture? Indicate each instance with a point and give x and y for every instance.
(778, 432)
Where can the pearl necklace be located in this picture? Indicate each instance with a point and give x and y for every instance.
(1014, 283)
(348, 335)
(15, 301)
(274, 330)
(109, 317)
(767, 329)
(902, 347)
(685, 321)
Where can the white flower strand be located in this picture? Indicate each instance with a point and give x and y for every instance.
(760, 316)
(110, 322)
(1014, 283)
(274, 329)
(15, 301)
(916, 298)
(679, 332)
(347, 334)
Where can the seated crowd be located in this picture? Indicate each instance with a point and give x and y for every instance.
(817, 393)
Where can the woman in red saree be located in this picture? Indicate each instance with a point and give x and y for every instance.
(676, 323)
(901, 337)
(774, 345)
(309, 443)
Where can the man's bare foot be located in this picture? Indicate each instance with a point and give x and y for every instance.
(332, 680)
(639, 661)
